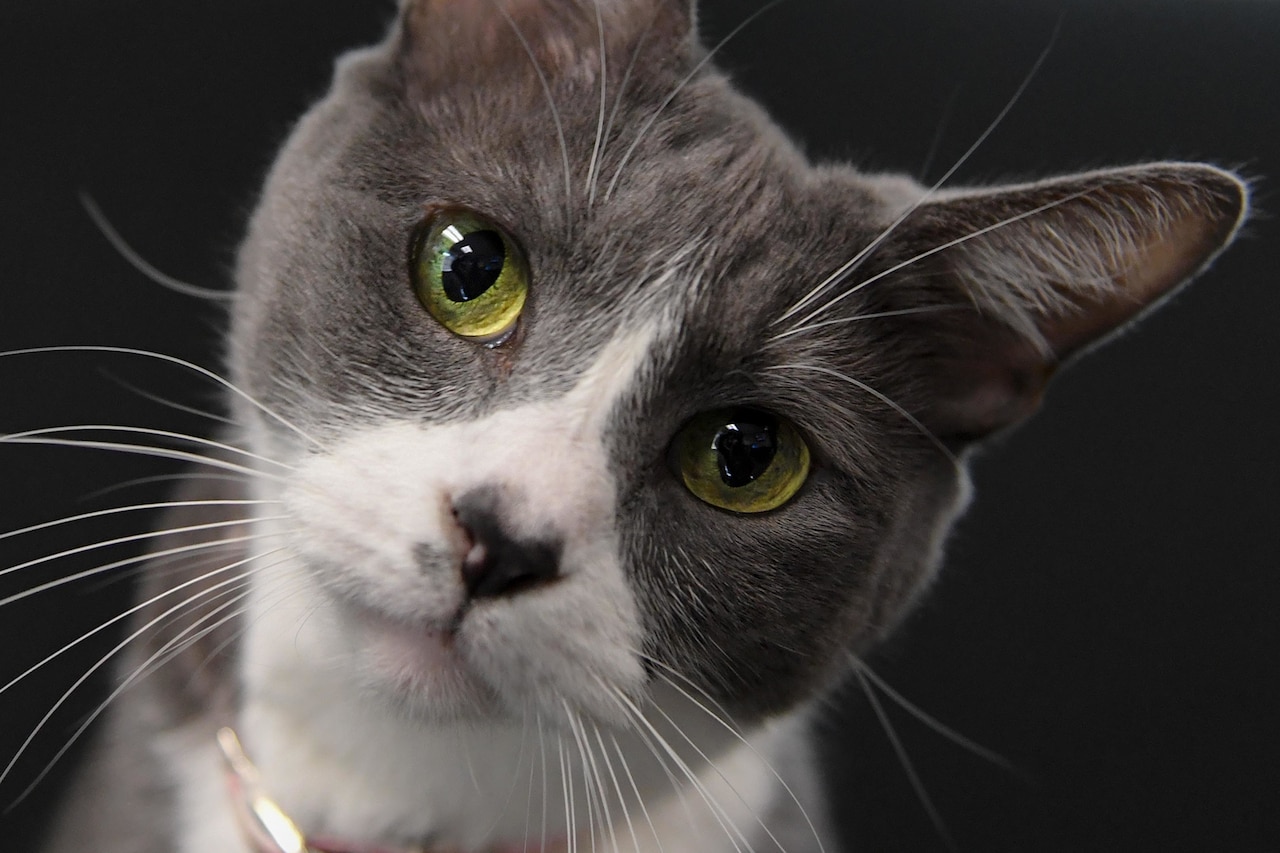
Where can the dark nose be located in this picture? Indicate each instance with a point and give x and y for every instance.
(500, 563)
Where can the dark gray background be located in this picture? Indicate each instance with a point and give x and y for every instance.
(1107, 620)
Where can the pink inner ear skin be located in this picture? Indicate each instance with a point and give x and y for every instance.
(1178, 253)
(1057, 266)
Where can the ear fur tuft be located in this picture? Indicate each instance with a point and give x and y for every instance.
(1055, 266)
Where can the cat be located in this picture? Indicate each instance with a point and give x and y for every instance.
(586, 414)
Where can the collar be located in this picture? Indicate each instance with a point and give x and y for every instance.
(269, 830)
(263, 823)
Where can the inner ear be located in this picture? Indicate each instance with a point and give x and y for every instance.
(1051, 268)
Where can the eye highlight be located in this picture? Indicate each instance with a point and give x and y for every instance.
(470, 275)
(741, 459)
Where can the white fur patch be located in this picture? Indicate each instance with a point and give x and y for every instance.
(331, 634)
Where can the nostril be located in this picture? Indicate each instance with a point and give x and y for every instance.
(497, 562)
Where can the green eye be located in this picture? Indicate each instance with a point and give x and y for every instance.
(470, 276)
(743, 460)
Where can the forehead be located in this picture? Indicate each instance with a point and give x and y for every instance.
(699, 220)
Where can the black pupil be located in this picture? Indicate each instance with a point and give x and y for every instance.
(472, 265)
(745, 447)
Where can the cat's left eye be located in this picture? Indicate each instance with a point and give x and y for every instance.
(470, 275)
(742, 459)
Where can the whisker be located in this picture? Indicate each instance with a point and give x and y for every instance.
(137, 607)
(617, 789)
(586, 773)
(135, 260)
(515, 781)
(604, 105)
(143, 670)
(229, 476)
(566, 785)
(931, 722)
(878, 315)
(721, 717)
(542, 749)
(702, 63)
(242, 578)
(170, 359)
(601, 793)
(732, 832)
(626, 78)
(528, 803)
(134, 508)
(551, 103)
(718, 772)
(1004, 223)
(626, 768)
(862, 255)
(907, 766)
(154, 433)
(912, 419)
(140, 558)
(948, 112)
(169, 404)
(139, 450)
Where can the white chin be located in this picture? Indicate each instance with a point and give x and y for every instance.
(422, 669)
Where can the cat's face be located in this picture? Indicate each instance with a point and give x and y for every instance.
(693, 442)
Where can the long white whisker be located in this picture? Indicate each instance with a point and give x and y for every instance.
(720, 717)
(203, 371)
(626, 80)
(731, 831)
(566, 785)
(948, 110)
(1004, 223)
(877, 315)
(126, 614)
(528, 803)
(135, 260)
(542, 749)
(515, 780)
(597, 151)
(915, 711)
(857, 259)
(154, 433)
(602, 792)
(169, 404)
(912, 419)
(98, 570)
(138, 450)
(702, 63)
(617, 789)
(635, 789)
(907, 766)
(241, 578)
(144, 669)
(226, 477)
(725, 779)
(587, 787)
(134, 508)
(551, 103)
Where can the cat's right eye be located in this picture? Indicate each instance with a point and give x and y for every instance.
(743, 460)
(469, 275)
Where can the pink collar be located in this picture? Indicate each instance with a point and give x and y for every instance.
(269, 830)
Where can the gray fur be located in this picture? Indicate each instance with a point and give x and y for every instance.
(758, 611)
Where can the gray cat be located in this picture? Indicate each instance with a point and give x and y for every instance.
(586, 427)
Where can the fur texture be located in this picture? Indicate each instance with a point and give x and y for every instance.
(685, 257)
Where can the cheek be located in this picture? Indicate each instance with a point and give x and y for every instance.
(761, 610)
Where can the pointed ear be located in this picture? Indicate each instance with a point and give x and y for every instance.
(1051, 268)
(445, 42)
